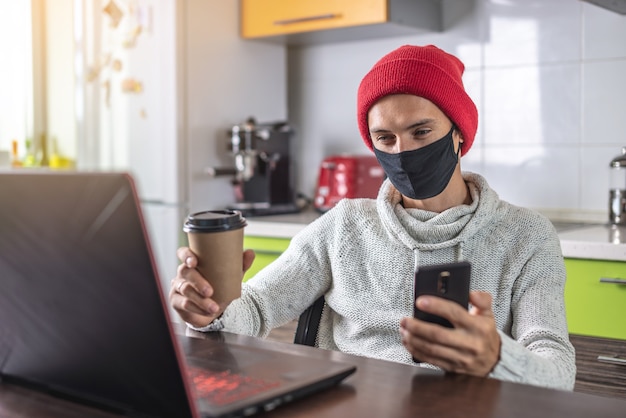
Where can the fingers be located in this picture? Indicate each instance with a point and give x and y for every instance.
(449, 310)
(196, 311)
(434, 344)
(422, 335)
(481, 303)
(184, 296)
(194, 281)
(455, 313)
(472, 346)
(248, 259)
(186, 256)
(190, 294)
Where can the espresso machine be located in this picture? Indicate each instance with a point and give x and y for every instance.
(261, 171)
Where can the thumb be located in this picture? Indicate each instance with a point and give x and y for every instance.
(248, 258)
(481, 302)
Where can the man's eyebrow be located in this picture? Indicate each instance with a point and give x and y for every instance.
(420, 123)
(417, 124)
(379, 130)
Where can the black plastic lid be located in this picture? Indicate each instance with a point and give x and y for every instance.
(214, 221)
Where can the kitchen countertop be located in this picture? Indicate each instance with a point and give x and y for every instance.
(578, 239)
(598, 242)
(280, 226)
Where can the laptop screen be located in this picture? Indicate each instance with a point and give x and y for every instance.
(76, 273)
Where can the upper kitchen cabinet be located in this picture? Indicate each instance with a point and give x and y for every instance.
(323, 21)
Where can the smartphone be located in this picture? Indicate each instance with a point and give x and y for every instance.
(450, 281)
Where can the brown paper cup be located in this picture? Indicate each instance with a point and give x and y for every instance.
(216, 237)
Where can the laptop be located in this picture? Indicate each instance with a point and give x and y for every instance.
(83, 315)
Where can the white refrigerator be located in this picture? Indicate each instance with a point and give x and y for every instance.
(159, 83)
(127, 83)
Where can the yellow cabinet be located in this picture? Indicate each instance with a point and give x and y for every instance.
(275, 17)
(270, 18)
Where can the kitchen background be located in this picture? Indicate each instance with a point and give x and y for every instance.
(548, 77)
(157, 92)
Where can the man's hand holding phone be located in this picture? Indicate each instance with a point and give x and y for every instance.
(448, 281)
(449, 335)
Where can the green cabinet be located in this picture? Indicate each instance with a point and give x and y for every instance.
(266, 249)
(595, 298)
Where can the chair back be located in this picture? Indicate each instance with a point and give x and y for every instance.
(308, 323)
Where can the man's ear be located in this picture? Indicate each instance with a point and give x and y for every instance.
(455, 129)
(460, 134)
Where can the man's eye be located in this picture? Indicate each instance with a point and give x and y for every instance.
(421, 132)
(384, 137)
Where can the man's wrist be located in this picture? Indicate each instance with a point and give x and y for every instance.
(216, 325)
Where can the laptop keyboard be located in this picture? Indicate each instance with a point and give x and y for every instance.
(223, 388)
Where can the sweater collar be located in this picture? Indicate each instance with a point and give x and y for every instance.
(418, 228)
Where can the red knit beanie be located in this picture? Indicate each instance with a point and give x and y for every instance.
(424, 71)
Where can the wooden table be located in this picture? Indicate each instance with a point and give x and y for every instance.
(377, 389)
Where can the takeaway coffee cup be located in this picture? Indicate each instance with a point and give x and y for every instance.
(216, 237)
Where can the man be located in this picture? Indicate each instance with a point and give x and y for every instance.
(414, 114)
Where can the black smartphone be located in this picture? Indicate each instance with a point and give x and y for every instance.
(450, 281)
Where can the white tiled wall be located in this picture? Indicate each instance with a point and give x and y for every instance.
(549, 80)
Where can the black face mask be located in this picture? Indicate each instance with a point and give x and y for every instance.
(424, 172)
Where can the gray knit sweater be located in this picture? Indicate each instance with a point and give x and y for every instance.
(361, 256)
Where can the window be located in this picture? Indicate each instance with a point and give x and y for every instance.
(16, 75)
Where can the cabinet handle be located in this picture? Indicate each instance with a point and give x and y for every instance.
(306, 19)
(612, 280)
(612, 360)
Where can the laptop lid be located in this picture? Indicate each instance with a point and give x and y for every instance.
(82, 313)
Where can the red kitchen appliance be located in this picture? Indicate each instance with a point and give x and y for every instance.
(347, 176)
